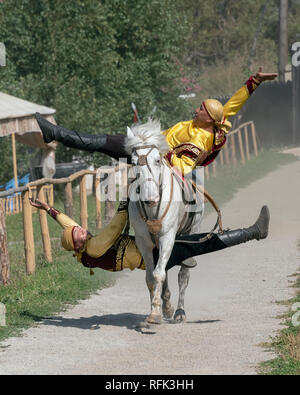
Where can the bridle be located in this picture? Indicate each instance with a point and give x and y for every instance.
(143, 161)
(155, 224)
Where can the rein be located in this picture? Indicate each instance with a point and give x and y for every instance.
(218, 223)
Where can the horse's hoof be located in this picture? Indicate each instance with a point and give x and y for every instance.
(179, 316)
(143, 325)
(168, 312)
(154, 319)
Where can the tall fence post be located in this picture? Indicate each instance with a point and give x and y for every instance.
(98, 201)
(28, 234)
(4, 258)
(68, 200)
(83, 203)
(110, 197)
(44, 226)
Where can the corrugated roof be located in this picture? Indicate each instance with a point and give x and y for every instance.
(13, 107)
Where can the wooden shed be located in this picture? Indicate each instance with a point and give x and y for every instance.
(17, 120)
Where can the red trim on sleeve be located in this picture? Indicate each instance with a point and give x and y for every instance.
(252, 85)
(53, 212)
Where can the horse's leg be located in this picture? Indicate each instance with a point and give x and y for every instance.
(167, 308)
(165, 248)
(184, 273)
(183, 281)
(145, 246)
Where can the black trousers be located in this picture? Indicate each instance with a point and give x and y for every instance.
(182, 251)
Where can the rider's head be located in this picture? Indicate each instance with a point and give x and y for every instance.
(211, 113)
(74, 238)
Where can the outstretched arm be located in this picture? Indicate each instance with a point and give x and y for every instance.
(236, 102)
(63, 220)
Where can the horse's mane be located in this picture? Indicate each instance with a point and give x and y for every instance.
(148, 133)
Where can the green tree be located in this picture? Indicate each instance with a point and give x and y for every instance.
(90, 59)
(229, 39)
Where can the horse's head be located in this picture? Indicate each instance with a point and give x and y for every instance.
(146, 145)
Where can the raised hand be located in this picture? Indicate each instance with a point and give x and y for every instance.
(39, 204)
(260, 76)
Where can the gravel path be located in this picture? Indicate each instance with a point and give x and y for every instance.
(230, 304)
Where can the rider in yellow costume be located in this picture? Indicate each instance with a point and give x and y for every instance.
(111, 250)
(192, 143)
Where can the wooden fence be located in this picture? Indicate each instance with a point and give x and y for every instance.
(240, 146)
(37, 189)
(13, 204)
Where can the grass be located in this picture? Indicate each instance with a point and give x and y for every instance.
(54, 286)
(287, 343)
(29, 299)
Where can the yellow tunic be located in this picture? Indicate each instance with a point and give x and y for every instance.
(127, 256)
(189, 144)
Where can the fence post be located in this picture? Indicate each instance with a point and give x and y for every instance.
(222, 156)
(254, 138)
(214, 169)
(111, 193)
(241, 146)
(206, 172)
(226, 152)
(247, 142)
(83, 203)
(68, 200)
(4, 258)
(44, 227)
(233, 151)
(98, 201)
(28, 234)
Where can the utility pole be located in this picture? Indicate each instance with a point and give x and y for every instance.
(283, 39)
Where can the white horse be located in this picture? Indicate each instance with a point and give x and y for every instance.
(155, 193)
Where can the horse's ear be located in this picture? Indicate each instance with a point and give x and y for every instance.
(130, 134)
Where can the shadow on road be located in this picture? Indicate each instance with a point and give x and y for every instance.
(128, 320)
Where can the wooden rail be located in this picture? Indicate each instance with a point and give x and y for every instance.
(14, 205)
(237, 149)
(240, 146)
(38, 189)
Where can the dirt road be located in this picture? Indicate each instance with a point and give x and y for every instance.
(230, 304)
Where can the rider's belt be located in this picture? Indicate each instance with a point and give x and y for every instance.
(191, 151)
(120, 248)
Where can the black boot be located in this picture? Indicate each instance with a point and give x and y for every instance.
(257, 231)
(112, 145)
(181, 251)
